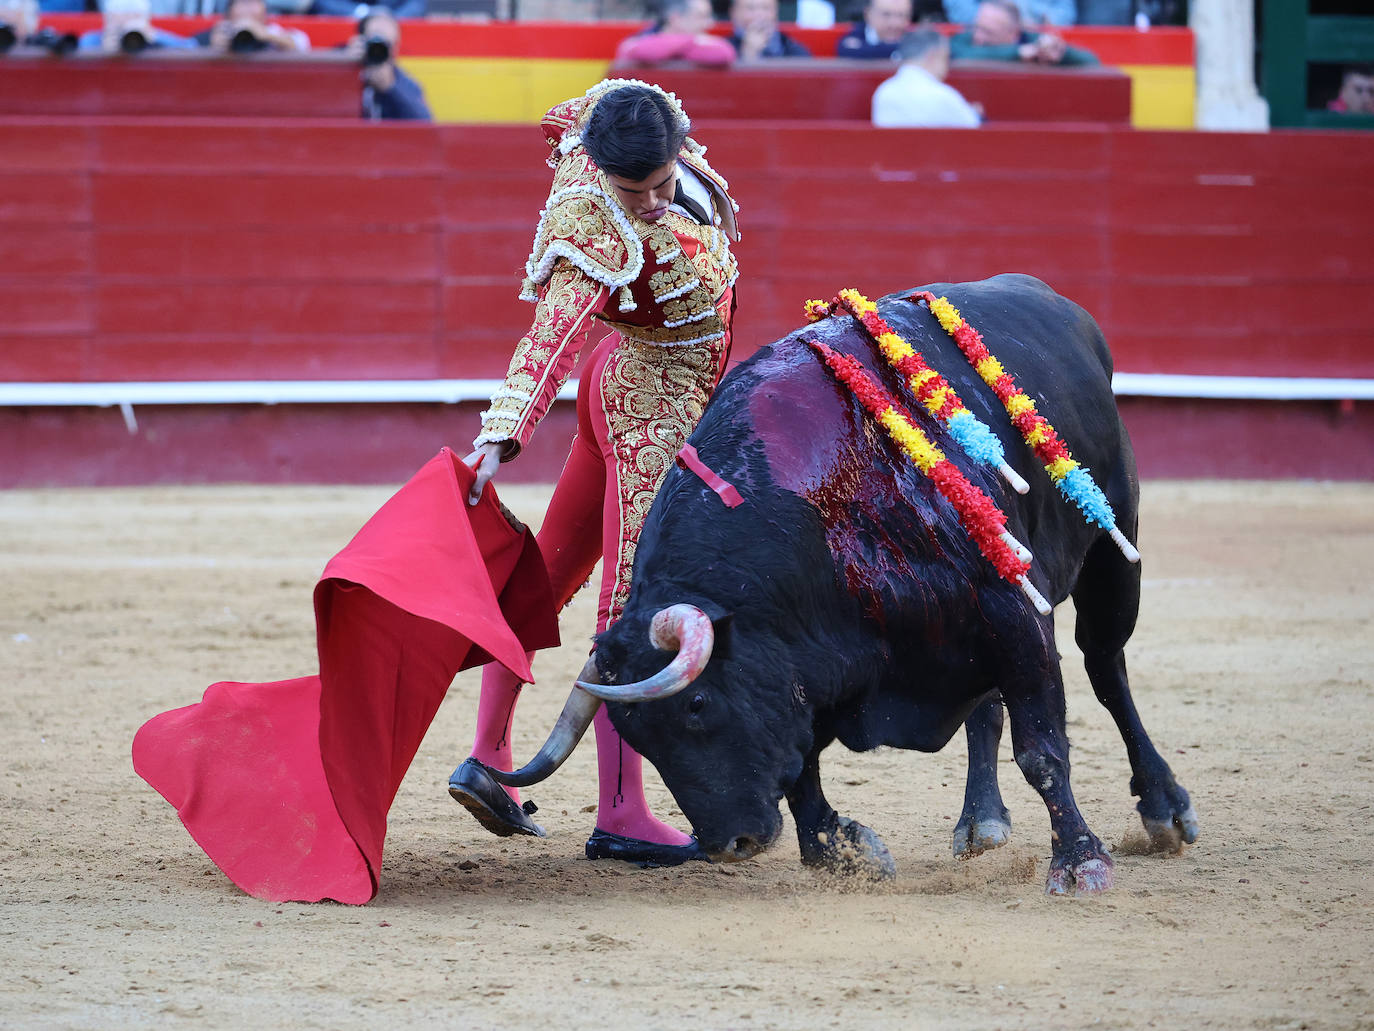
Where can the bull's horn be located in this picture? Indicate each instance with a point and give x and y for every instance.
(684, 628)
(567, 731)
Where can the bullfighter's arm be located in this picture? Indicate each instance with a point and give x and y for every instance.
(544, 358)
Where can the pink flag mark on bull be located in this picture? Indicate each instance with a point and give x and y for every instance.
(691, 461)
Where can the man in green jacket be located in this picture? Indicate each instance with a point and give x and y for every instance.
(998, 34)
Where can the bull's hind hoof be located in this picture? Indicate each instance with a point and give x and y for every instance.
(1090, 877)
(854, 850)
(485, 799)
(974, 837)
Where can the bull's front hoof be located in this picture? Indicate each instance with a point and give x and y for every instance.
(853, 850)
(974, 836)
(1089, 877)
(1172, 831)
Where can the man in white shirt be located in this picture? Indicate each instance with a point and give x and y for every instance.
(917, 94)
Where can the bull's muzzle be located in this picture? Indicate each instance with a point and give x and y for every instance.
(683, 628)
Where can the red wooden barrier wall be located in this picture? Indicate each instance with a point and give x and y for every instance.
(147, 249)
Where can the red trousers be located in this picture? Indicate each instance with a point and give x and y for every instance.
(636, 406)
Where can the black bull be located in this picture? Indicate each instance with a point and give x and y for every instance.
(850, 605)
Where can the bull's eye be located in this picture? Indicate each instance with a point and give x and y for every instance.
(696, 704)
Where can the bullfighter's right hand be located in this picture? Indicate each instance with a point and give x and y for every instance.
(484, 461)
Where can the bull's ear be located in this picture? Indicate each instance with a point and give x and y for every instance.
(722, 623)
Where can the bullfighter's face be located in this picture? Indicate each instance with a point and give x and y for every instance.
(648, 198)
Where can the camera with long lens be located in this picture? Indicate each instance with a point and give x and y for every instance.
(133, 42)
(8, 37)
(59, 43)
(376, 51)
(244, 42)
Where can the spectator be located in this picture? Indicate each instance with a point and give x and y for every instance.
(1357, 91)
(354, 9)
(127, 30)
(245, 28)
(876, 37)
(19, 27)
(388, 92)
(997, 34)
(21, 18)
(1033, 12)
(679, 35)
(917, 95)
(815, 14)
(757, 34)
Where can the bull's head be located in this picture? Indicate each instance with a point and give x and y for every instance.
(727, 755)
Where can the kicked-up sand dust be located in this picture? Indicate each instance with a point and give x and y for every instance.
(1253, 667)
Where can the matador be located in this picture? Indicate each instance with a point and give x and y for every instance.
(631, 259)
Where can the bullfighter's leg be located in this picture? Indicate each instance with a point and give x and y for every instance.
(985, 823)
(570, 542)
(1107, 599)
(1041, 745)
(641, 413)
(831, 841)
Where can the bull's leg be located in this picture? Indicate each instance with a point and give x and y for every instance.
(1106, 601)
(1041, 745)
(985, 822)
(831, 841)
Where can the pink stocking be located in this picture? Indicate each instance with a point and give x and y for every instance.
(495, 715)
(621, 808)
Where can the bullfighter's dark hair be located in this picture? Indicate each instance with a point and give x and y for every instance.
(633, 131)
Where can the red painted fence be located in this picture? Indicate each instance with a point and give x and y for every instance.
(209, 249)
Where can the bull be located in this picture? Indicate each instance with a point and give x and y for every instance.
(843, 601)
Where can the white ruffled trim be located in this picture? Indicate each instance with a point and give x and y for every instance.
(487, 438)
(678, 292)
(663, 259)
(539, 273)
(673, 343)
(627, 301)
(518, 395)
(670, 324)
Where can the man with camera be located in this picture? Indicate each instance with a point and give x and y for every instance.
(126, 30)
(19, 28)
(245, 29)
(388, 92)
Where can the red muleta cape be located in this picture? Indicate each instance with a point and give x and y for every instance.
(286, 786)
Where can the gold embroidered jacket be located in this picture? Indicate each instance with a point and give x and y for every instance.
(656, 283)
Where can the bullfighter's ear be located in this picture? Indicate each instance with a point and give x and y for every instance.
(722, 623)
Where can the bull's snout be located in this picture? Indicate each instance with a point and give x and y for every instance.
(740, 848)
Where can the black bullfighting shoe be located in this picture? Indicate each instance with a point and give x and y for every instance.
(644, 854)
(487, 800)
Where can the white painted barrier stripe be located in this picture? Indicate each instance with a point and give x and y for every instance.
(1251, 388)
(265, 392)
(453, 391)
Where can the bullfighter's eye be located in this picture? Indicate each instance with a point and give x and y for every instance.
(696, 704)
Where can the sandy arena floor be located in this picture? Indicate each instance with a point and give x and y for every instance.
(1253, 668)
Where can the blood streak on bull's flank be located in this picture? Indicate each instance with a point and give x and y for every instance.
(844, 478)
